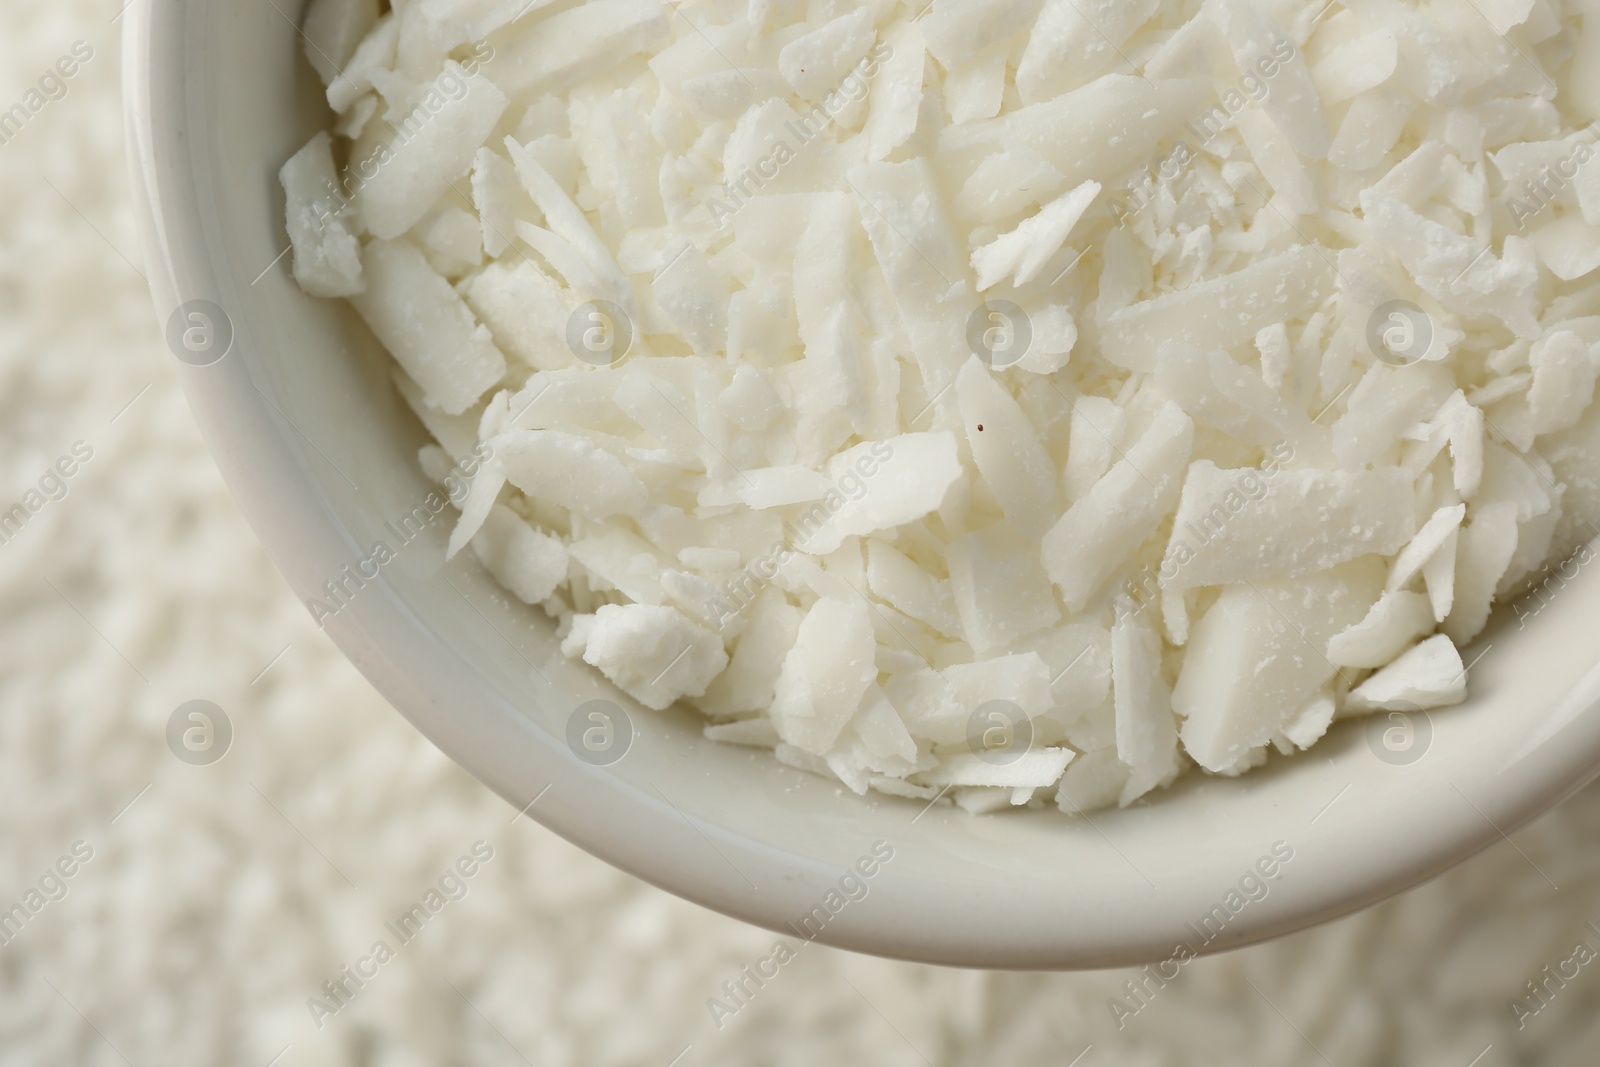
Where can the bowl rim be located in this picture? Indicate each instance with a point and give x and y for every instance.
(634, 831)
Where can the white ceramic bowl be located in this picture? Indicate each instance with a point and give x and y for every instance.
(320, 452)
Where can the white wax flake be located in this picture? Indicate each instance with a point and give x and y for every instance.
(1078, 655)
(1439, 574)
(1415, 179)
(451, 239)
(654, 654)
(1131, 374)
(456, 22)
(976, 88)
(1022, 253)
(908, 588)
(1393, 623)
(1222, 312)
(526, 561)
(565, 260)
(776, 487)
(1094, 780)
(457, 435)
(1036, 767)
(1147, 734)
(1386, 403)
(911, 236)
(477, 506)
(1485, 550)
(940, 705)
(1564, 369)
(1114, 123)
(498, 197)
(375, 53)
(650, 396)
(1292, 183)
(1371, 127)
(1240, 525)
(1306, 727)
(1429, 675)
(693, 297)
(616, 558)
(1256, 656)
(833, 387)
(1439, 528)
(959, 29)
(1098, 425)
(1462, 424)
(1432, 64)
(1356, 66)
(327, 255)
(525, 310)
(1567, 246)
(426, 326)
(435, 144)
(570, 471)
(1456, 270)
(825, 675)
(1006, 447)
(554, 52)
(567, 221)
(1076, 40)
(1526, 161)
(1055, 335)
(1100, 531)
(1521, 480)
(1004, 183)
(749, 399)
(1190, 51)
(896, 95)
(880, 729)
(815, 63)
(1217, 392)
(1001, 591)
(757, 661)
(1507, 15)
(879, 485)
(1272, 344)
(1262, 48)
(728, 93)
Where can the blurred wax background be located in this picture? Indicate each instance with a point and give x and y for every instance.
(217, 899)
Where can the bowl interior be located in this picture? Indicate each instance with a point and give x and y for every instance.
(321, 453)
